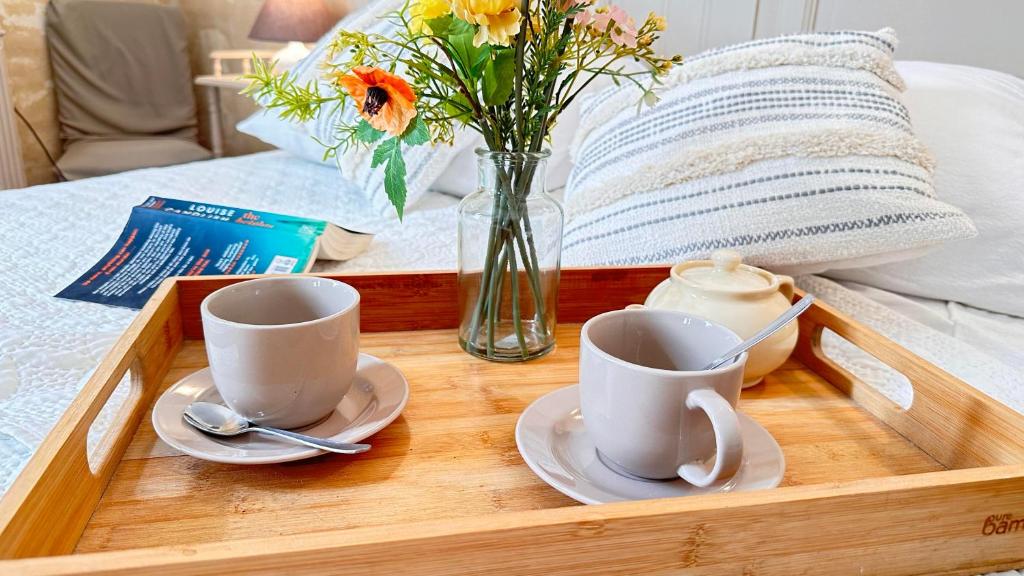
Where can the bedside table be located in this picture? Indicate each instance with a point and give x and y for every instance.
(221, 80)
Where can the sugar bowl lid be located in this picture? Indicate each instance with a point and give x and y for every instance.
(725, 272)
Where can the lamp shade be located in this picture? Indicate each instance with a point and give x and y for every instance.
(293, 21)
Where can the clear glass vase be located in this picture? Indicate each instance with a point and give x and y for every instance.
(510, 244)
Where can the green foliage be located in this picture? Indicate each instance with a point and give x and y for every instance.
(294, 101)
(469, 58)
(366, 133)
(417, 133)
(499, 77)
(512, 95)
(459, 108)
(449, 25)
(389, 153)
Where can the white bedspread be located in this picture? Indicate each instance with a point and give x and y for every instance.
(50, 234)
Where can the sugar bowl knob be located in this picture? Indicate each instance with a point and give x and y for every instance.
(726, 260)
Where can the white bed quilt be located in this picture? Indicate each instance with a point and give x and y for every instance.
(50, 234)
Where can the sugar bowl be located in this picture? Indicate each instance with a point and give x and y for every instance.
(743, 298)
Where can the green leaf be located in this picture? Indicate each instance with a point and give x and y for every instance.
(394, 181)
(366, 133)
(459, 26)
(482, 57)
(499, 76)
(448, 25)
(440, 26)
(417, 133)
(389, 153)
(383, 152)
(460, 112)
(463, 51)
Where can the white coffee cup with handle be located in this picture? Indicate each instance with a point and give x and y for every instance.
(649, 408)
(283, 350)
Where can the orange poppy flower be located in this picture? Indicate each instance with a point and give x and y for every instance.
(384, 100)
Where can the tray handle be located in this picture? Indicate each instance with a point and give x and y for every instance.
(50, 502)
(984, 431)
(101, 457)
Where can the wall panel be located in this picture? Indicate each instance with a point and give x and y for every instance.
(985, 33)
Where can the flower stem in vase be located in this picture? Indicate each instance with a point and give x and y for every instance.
(509, 266)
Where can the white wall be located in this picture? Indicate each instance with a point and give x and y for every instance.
(694, 25)
(985, 33)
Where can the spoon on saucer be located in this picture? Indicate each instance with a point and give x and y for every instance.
(795, 310)
(221, 421)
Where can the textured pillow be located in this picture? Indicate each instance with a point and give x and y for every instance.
(973, 121)
(423, 163)
(795, 151)
(460, 178)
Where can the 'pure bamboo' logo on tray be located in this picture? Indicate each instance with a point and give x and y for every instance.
(1002, 524)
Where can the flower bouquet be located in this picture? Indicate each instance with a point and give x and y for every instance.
(503, 68)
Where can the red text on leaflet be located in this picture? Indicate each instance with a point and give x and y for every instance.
(116, 260)
(200, 264)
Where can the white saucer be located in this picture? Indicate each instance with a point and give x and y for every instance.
(553, 442)
(377, 397)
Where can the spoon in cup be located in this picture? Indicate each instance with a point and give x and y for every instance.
(221, 421)
(795, 310)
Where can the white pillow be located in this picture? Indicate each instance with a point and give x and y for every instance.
(289, 136)
(973, 121)
(460, 177)
(796, 151)
(424, 164)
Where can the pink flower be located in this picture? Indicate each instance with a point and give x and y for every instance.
(620, 26)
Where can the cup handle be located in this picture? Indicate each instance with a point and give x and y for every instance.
(728, 441)
(635, 307)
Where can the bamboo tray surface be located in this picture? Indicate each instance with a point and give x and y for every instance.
(868, 485)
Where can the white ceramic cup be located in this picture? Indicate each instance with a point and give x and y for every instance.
(282, 350)
(647, 405)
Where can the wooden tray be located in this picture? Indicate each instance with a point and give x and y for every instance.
(869, 488)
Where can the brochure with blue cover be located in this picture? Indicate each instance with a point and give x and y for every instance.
(167, 237)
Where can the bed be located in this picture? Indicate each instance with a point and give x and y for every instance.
(49, 234)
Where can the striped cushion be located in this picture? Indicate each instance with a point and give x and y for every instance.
(423, 163)
(794, 150)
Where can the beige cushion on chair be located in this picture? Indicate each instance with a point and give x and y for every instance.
(88, 158)
(124, 85)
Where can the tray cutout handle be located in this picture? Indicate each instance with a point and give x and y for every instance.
(45, 510)
(863, 366)
(950, 420)
(104, 433)
(68, 480)
(811, 351)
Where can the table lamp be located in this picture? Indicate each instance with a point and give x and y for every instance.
(294, 22)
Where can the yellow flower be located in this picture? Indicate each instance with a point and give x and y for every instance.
(498, 20)
(422, 10)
